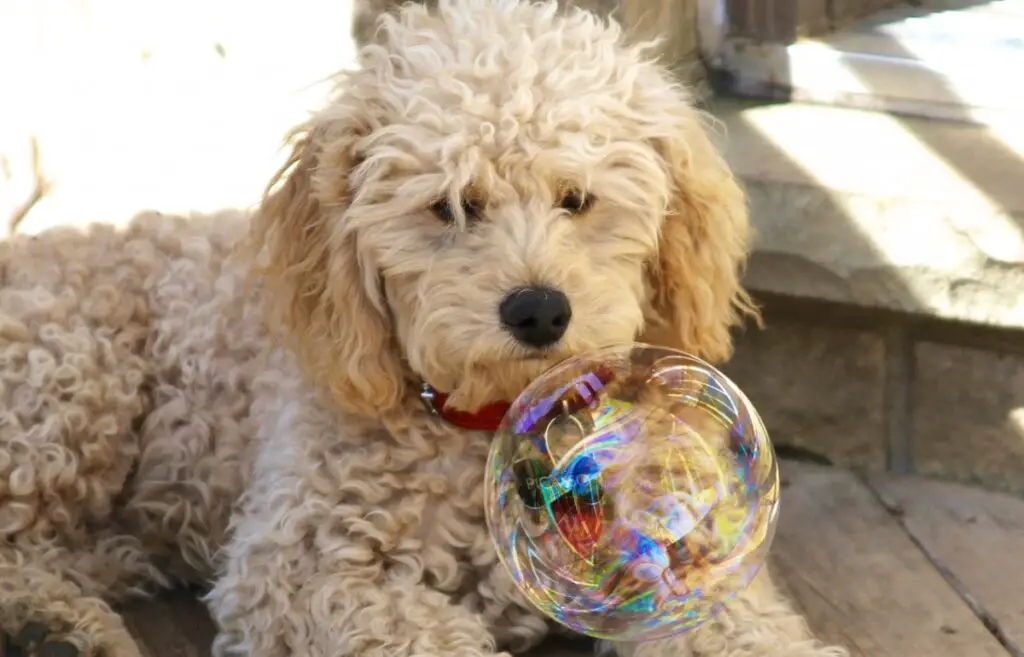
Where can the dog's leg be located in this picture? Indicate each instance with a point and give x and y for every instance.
(50, 598)
(285, 600)
(306, 576)
(759, 623)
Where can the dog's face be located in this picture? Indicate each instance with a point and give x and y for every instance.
(500, 186)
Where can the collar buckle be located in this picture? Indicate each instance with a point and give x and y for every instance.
(429, 398)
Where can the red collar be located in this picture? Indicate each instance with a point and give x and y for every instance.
(486, 418)
(489, 416)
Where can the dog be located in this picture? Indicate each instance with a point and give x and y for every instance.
(295, 406)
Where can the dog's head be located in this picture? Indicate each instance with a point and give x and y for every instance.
(499, 186)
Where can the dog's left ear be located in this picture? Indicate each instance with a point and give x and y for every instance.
(696, 296)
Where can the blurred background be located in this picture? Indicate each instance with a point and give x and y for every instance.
(882, 145)
(176, 106)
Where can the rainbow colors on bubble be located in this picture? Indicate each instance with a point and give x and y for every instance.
(632, 492)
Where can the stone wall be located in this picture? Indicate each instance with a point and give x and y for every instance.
(888, 391)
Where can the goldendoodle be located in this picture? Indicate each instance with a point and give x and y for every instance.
(499, 185)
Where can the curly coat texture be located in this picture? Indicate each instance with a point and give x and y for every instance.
(154, 429)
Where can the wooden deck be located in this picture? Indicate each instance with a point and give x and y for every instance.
(889, 567)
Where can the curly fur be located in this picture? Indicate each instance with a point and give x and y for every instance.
(155, 430)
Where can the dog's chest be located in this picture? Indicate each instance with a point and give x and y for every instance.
(434, 508)
(421, 493)
(453, 478)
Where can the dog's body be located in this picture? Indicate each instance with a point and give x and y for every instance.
(155, 430)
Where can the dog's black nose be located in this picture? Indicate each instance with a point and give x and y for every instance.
(537, 315)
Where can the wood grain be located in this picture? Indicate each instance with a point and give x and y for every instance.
(176, 625)
(847, 561)
(859, 578)
(975, 537)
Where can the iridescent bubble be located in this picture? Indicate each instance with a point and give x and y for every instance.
(631, 492)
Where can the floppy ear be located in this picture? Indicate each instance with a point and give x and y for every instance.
(328, 306)
(704, 241)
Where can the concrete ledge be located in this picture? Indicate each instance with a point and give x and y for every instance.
(864, 208)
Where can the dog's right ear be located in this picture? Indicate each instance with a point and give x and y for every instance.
(329, 309)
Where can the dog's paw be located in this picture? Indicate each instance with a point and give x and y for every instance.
(38, 640)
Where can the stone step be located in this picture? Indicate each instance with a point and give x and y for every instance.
(889, 259)
(900, 214)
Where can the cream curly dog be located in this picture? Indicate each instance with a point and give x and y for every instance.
(500, 185)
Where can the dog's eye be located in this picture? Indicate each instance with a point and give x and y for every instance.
(576, 202)
(443, 210)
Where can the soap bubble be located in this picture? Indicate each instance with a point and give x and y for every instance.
(631, 492)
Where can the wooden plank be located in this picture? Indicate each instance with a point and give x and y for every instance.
(564, 646)
(777, 21)
(176, 625)
(845, 12)
(852, 570)
(859, 578)
(976, 536)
